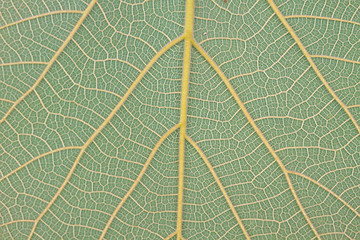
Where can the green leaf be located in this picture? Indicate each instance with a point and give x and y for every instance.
(192, 119)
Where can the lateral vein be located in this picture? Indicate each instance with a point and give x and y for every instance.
(257, 130)
(335, 58)
(313, 65)
(68, 39)
(323, 18)
(217, 180)
(106, 121)
(38, 157)
(23, 63)
(39, 16)
(326, 189)
(141, 174)
(53, 59)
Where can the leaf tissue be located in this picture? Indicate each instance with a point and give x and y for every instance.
(180, 119)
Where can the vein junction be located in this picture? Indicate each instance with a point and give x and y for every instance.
(188, 36)
(189, 42)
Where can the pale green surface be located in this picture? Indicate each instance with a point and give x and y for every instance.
(310, 132)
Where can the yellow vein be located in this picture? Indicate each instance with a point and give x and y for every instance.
(14, 88)
(6, 100)
(38, 157)
(308, 57)
(170, 236)
(132, 226)
(141, 174)
(326, 189)
(72, 224)
(40, 237)
(354, 106)
(53, 59)
(106, 121)
(124, 34)
(15, 221)
(333, 234)
(39, 16)
(335, 58)
(257, 130)
(211, 169)
(188, 36)
(324, 18)
(21, 63)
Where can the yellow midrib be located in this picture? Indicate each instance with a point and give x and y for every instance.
(188, 37)
(188, 43)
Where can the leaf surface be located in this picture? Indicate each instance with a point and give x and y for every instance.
(180, 119)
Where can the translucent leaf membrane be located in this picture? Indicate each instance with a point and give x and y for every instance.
(100, 138)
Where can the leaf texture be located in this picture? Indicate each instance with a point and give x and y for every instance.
(193, 119)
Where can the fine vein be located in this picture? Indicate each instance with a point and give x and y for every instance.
(36, 158)
(326, 189)
(217, 180)
(323, 18)
(107, 120)
(39, 16)
(141, 174)
(257, 130)
(53, 59)
(308, 57)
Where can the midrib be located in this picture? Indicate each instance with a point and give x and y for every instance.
(188, 37)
